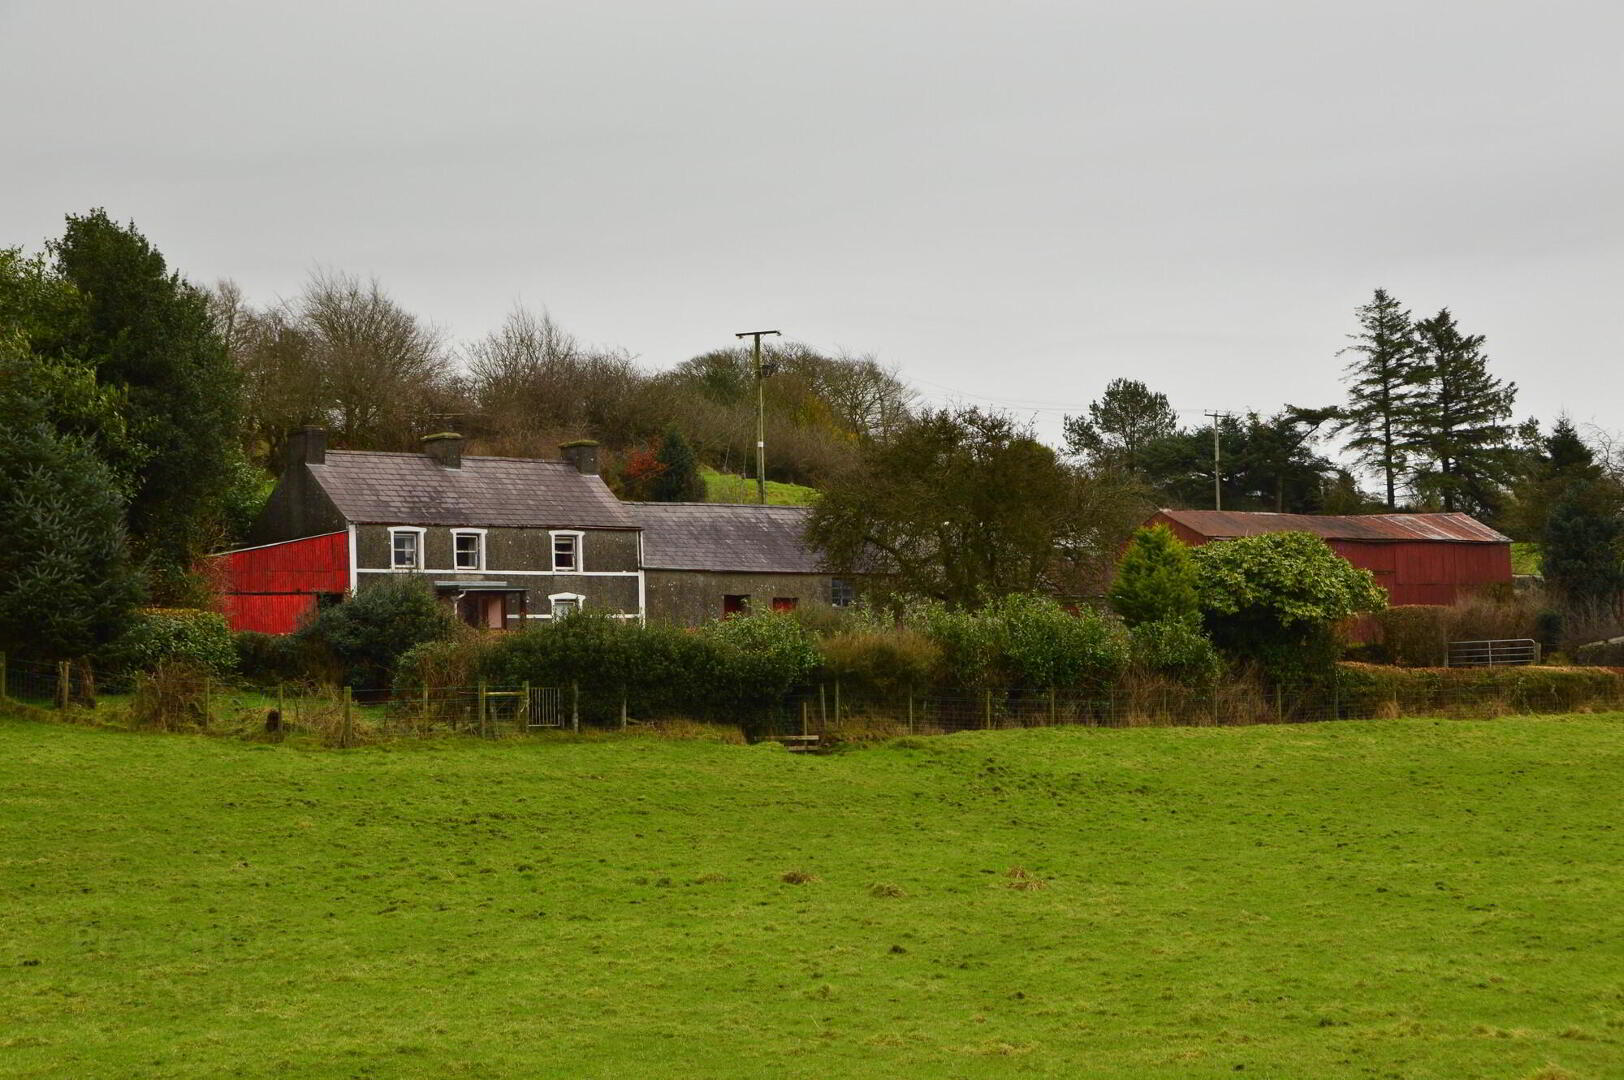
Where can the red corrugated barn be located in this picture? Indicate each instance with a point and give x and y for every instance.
(272, 587)
(1417, 558)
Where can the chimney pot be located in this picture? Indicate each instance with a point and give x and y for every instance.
(445, 448)
(583, 454)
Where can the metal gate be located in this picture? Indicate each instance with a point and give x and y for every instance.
(1493, 653)
(544, 708)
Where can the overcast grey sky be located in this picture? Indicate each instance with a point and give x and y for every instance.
(1012, 201)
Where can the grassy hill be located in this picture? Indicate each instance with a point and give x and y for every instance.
(1418, 899)
(723, 487)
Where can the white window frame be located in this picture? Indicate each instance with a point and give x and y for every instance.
(418, 531)
(553, 600)
(479, 551)
(580, 550)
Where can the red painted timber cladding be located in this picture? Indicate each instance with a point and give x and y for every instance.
(1412, 571)
(271, 588)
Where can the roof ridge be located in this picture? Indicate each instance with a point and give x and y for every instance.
(466, 457)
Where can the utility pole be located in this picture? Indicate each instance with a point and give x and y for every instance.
(761, 413)
(1217, 473)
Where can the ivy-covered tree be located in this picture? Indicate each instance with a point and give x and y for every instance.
(1273, 600)
(1383, 381)
(1457, 429)
(149, 336)
(1127, 418)
(1155, 581)
(67, 584)
(679, 479)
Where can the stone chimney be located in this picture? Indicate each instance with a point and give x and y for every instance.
(445, 448)
(583, 454)
(306, 446)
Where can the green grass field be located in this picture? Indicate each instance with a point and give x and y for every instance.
(723, 487)
(1406, 899)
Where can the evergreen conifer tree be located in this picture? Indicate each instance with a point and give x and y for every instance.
(1155, 580)
(680, 480)
(1456, 427)
(1382, 385)
(1583, 546)
(67, 584)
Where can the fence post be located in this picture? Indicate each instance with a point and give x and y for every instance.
(423, 699)
(575, 707)
(62, 687)
(346, 733)
(480, 716)
(988, 723)
(2, 676)
(208, 699)
(623, 717)
(837, 701)
(805, 707)
(1053, 715)
(910, 711)
(1215, 703)
(823, 707)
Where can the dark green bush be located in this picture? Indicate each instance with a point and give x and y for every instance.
(268, 659)
(366, 635)
(1415, 635)
(1155, 579)
(199, 638)
(1176, 649)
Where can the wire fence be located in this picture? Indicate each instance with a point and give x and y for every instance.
(176, 697)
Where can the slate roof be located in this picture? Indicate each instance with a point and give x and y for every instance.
(413, 489)
(725, 537)
(1373, 528)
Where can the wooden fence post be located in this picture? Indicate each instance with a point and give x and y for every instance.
(62, 684)
(484, 708)
(988, 723)
(910, 711)
(575, 707)
(805, 707)
(346, 731)
(624, 719)
(2, 676)
(823, 707)
(522, 713)
(1053, 713)
(423, 708)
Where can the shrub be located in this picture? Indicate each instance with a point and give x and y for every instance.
(199, 639)
(885, 663)
(967, 645)
(1041, 644)
(367, 634)
(1178, 650)
(761, 658)
(1415, 635)
(268, 659)
(1367, 690)
(1273, 599)
(1155, 580)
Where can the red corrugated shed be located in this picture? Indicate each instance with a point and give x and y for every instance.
(272, 587)
(1417, 558)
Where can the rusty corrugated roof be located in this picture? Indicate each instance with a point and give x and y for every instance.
(1373, 528)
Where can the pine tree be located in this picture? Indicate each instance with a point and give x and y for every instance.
(1583, 546)
(1456, 426)
(1126, 418)
(1382, 385)
(680, 480)
(1155, 581)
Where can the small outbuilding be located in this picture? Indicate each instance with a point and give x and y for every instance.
(1417, 558)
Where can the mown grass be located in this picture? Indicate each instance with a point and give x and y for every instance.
(1415, 899)
(723, 487)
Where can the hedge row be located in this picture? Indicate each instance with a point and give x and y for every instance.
(1371, 689)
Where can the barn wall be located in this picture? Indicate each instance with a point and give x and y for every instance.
(270, 588)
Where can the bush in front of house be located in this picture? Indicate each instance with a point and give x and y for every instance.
(886, 662)
(199, 639)
(1041, 644)
(268, 659)
(1176, 649)
(364, 637)
(760, 658)
(1273, 601)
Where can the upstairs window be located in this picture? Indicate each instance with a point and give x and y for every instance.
(406, 549)
(566, 553)
(468, 550)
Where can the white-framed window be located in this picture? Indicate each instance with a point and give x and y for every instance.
(566, 552)
(406, 547)
(468, 549)
(565, 604)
